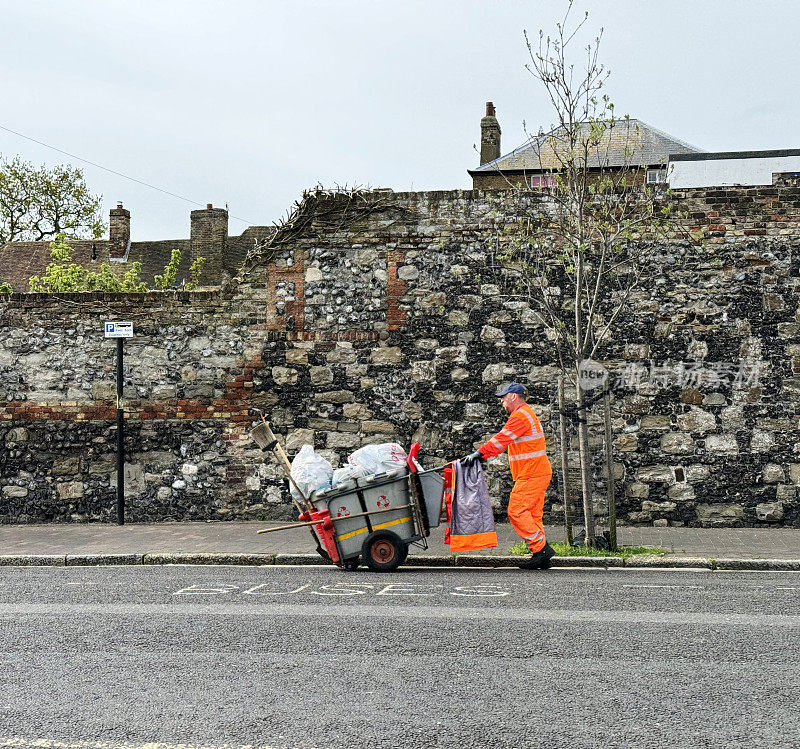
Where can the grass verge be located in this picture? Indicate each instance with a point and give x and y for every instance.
(565, 550)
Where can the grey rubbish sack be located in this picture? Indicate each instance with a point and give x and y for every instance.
(471, 508)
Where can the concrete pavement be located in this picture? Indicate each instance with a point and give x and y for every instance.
(238, 543)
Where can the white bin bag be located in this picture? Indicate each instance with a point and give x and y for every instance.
(311, 472)
(383, 458)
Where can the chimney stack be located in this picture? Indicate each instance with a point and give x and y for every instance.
(119, 232)
(208, 236)
(490, 135)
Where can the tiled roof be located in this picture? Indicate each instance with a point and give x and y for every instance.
(645, 146)
(21, 260)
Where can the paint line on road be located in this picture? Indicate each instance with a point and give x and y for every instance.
(342, 611)
(16, 742)
(668, 587)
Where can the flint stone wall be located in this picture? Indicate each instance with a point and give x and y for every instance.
(393, 326)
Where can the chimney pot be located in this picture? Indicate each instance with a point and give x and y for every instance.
(209, 206)
(119, 204)
(490, 135)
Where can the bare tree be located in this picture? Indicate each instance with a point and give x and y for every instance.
(580, 248)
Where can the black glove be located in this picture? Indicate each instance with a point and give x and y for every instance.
(472, 457)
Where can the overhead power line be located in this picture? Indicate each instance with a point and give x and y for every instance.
(114, 171)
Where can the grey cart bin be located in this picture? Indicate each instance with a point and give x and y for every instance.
(432, 483)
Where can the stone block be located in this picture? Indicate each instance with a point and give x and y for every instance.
(677, 443)
(378, 427)
(494, 373)
(656, 475)
(635, 351)
(65, 467)
(637, 404)
(321, 376)
(655, 422)
(475, 411)
(697, 350)
(458, 318)
(714, 399)
(637, 490)
(732, 418)
(433, 302)
(386, 355)
(70, 490)
(104, 391)
(772, 473)
(15, 492)
(722, 444)
(408, 273)
(342, 440)
(335, 396)
(423, 371)
(786, 493)
(626, 443)
(133, 476)
(770, 512)
(719, 514)
(297, 438)
(794, 473)
(17, 435)
(681, 492)
(696, 420)
(357, 411)
(490, 334)
(761, 441)
(696, 473)
(297, 356)
(342, 354)
(284, 375)
(459, 374)
(651, 507)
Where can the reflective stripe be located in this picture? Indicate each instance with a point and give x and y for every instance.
(531, 419)
(525, 456)
(529, 438)
(535, 537)
(496, 443)
(508, 433)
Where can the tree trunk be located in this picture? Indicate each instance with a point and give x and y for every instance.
(612, 505)
(567, 494)
(586, 469)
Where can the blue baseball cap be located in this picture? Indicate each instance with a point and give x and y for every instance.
(512, 387)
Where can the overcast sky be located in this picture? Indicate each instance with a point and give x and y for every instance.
(247, 103)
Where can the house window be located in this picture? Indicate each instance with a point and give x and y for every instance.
(545, 180)
(656, 176)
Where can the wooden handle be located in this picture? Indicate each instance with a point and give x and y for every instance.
(293, 525)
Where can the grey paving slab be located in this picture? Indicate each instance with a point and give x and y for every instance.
(76, 540)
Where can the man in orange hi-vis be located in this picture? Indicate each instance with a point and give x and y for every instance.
(523, 437)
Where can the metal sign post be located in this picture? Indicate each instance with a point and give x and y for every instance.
(120, 331)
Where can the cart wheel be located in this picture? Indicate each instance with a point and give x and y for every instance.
(383, 551)
(351, 564)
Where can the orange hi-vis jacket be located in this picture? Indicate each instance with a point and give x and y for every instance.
(523, 437)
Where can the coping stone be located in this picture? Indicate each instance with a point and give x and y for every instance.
(32, 560)
(93, 560)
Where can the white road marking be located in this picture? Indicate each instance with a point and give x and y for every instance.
(670, 587)
(15, 742)
(437, 611)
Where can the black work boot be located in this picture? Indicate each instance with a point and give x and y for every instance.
(540, 560)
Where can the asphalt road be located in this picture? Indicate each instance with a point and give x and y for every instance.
(120, 657)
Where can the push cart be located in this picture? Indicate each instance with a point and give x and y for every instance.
(374, 519)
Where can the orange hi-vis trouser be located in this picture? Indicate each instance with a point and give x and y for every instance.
(525, 507)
